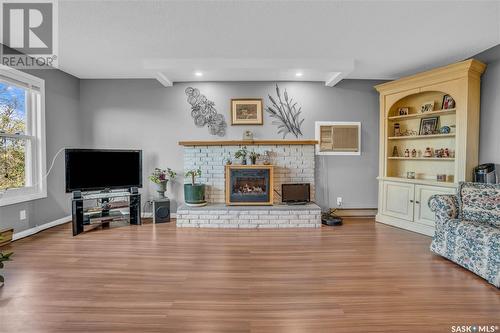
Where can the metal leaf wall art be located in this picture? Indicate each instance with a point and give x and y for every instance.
(286, 114)
(204, 113)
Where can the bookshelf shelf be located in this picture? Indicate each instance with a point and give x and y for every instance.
(424, 115)
(452, 159)
(417, 137)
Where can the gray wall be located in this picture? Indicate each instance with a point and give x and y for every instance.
(62, 129)
(489, 140)
(143, 114)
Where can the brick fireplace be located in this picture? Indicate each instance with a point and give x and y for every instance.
(293, 162)
(248, 199)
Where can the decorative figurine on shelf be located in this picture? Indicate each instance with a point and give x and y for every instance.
(441, 177)
(444, 130)
(397, 130)
(409, 133)
(410, 175)
(228, 160)
(452, 153)
(446, 153)
(439, 152)
(407, 152)
(413, 152)
(248, 135)
(395, 152)
(267, 157)
(428, 152)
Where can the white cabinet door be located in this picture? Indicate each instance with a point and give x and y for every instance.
(398, 200)
(423, 213)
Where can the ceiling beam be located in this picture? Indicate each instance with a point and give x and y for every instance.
(335, 78)
(164, 80)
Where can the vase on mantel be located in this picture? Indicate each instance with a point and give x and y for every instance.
(161, 187)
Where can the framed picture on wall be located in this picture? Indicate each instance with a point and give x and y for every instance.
(246, 111)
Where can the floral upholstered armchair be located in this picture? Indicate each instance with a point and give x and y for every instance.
(468, 228)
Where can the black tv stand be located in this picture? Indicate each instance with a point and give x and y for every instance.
(104, 210)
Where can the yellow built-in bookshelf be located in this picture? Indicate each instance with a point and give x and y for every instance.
(403, 199)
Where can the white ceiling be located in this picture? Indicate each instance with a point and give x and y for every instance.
(270, 40)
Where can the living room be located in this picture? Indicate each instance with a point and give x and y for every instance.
(250, 166)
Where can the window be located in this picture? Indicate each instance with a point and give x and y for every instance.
(338, 138)
(22, 137)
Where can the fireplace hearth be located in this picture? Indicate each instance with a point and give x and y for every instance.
(249, 184)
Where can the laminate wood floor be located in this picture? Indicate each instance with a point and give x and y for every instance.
(361, 277)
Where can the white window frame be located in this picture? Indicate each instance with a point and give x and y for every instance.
(318, 125)
(35, 167)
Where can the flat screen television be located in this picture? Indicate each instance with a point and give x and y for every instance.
(99, 169)
(295, 193)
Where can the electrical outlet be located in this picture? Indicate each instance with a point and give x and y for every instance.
(339, 201)
(22, 214)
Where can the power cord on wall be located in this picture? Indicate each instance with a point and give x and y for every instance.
(2, 192)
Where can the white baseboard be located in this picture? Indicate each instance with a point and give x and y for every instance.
(32, 231)
(37, 229)
(150, 215)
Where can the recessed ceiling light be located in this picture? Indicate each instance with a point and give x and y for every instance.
(299, 74)
(198, 73)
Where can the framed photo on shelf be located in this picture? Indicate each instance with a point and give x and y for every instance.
(404, 111)
(427, 106)
(428, 125)
(448, 102)
(246, 111)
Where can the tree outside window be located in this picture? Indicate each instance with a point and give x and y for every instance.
(13, 125)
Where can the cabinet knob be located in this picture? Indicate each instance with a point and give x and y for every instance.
(411, 201)
(417, 202)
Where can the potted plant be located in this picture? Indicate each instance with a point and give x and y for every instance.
(242, 153)
(253, 157)
(194, 194)
(3, 257)
(161, 177)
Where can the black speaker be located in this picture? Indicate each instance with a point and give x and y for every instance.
(161, 211)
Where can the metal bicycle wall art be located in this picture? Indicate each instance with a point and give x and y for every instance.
(204, 113)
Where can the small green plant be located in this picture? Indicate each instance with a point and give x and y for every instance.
(159, 176)
(242, 153)
(253, 156)
(3, 257)
(193, 174)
